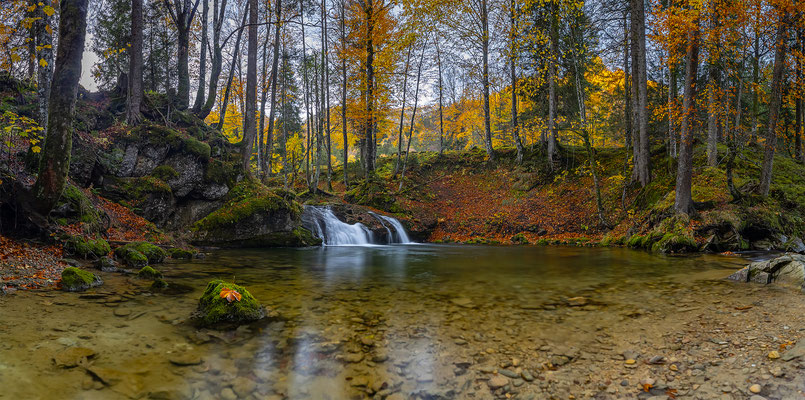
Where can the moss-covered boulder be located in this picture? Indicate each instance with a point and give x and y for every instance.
(76, 280)
(148, 272)
(253, 216)
(87, 248)
(180, 254)
(159, 285)
(134, 253)
(215, 310)
(106, 264)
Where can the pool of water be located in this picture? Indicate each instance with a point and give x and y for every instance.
(429, 321)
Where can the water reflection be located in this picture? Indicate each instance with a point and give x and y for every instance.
(354, 321)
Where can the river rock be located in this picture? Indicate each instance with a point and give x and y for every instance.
(214, 310)
(72, 356)
(497, 381)
(462, 301)
(788, 269)
(185, 359)
(798, 351)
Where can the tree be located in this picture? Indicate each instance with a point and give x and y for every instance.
(683, 203)
(513, 64)
(640, 91)
(135, 86)
(277, 26)
(182, 13)
(202, 70)
(55, 161)
(774, 105)
(250, 119)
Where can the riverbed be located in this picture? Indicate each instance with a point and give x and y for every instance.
(416, 321)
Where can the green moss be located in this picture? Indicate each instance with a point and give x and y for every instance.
(158, 135)
(82, 206)
(197, 147)
(153, 254)
(164, 173)
(373, 193)
(245, 200)
(131, 256)
(519, 239)
(159, 284)
(675, 243)
(635, 241)
(223, 173)
(214, 310)
(177, 253)
(87, 248)
(149, 273)
(77, 280)
(542, 242)
(137, 189)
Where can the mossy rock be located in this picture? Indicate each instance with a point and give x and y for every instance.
(215, 311)
(131, 257)
(519, 239)
(197, 148)
(153, 254)
(77, 280)
(159, 284)
(675, 243)
(81, 208)
(164, 173)
(148, 272)
(106, 264)
(87, 248)
(181, 254)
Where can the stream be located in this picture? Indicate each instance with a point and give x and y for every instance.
(387, 322)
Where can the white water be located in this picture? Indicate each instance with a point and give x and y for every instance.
(399, 232)
(333, 232)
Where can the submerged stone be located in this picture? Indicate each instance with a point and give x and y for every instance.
(149, 273)
(77, 280)
(215, 309)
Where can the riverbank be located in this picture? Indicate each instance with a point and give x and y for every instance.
(423, 321)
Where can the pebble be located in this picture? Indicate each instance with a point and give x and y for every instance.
(497, 381)
(527, 376)
(122, 312)
(774, 355)
(755, 388)
(630, 361)
(509, 373)
(228, 394)
(184, 359)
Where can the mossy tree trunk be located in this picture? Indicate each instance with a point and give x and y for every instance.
(55, 162)
(774, 107)
(683, 203)
(250, 119)
(135, 93)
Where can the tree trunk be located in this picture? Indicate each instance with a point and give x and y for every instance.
(513, 64)
(326, 92)
(183, 90)
(55, 161)
(441, 114)
(683, 204)
(402, 112)
(485, 76)
(774, 107)
(712, 116)
(755, 89)
(135, 92)
(344, 93)
(228, 90)
(672, 96)
(217, 59)
(641, 89)
(202, 69)
(413, 116)
(369, 143)
(552, 72)
(249, 120)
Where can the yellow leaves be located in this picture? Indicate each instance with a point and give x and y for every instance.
(36, 149)
(43, 63)
(48, 10)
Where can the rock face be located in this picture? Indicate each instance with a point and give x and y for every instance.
(788, 269)
(254, 216)
(228, 304)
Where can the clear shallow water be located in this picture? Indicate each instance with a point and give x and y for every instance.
(354, 322)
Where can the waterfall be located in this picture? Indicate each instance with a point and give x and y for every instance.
(399, 235)
(333, 232)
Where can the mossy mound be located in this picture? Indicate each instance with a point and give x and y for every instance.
(181, 254)
(159, 284)
(87, 248)
(373, 193)
(77, 280)
(134, 254)
(519, 239)
(74, 205)
(164, 173)
(149, 273)
(216, 311)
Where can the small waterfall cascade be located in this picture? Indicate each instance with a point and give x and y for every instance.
(399, 235)
(333, 232)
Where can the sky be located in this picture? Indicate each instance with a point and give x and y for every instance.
(86, 67)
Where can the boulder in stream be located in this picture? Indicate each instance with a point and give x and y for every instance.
(225, 303)
(788, 269)
(77, 280)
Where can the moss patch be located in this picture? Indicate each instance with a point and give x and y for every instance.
(87, 248)
(213, 310)
(131, 257)
(181, 254)
(164, 173)
(243, 201)
(77, 280)
(149, 273)
(153, 254)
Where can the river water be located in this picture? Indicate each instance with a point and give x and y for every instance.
(428, 321)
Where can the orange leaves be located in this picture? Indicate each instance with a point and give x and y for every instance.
(230, 295)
